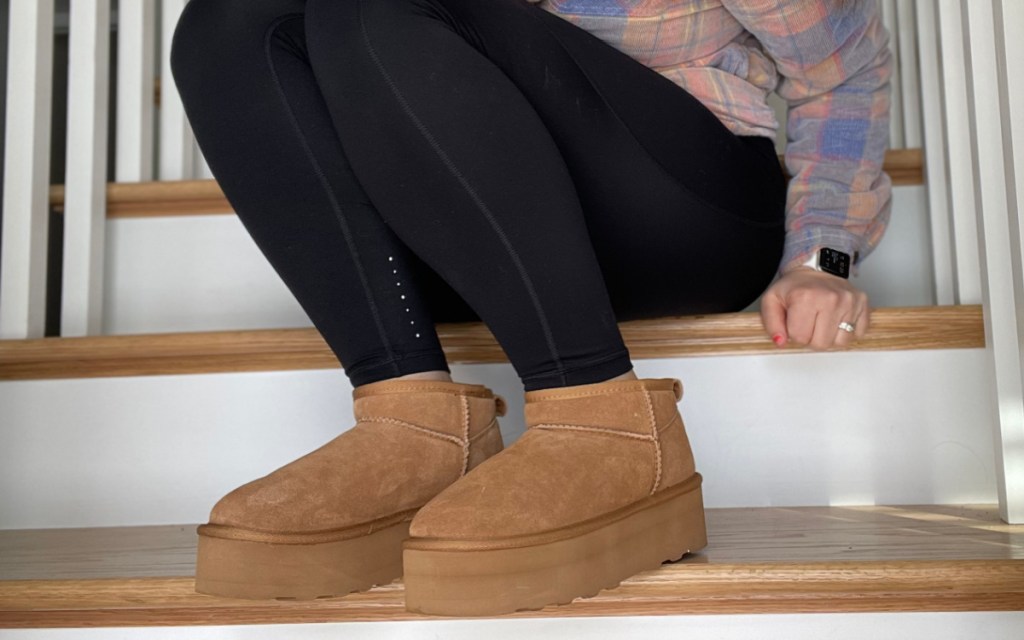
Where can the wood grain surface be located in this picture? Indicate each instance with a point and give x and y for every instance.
(201, 197)
(892, 328)
(761, 560)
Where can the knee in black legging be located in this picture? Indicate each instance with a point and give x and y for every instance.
(359, 20)
(212, 32)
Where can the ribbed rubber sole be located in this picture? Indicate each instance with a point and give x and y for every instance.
(258, 570)
(467, 578)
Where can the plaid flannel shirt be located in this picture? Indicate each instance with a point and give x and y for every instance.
(828, 59)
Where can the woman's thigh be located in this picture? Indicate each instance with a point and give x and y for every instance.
(685, 216)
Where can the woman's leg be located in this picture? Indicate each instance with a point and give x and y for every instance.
(334, 519)
(242, 70)
(555, 183)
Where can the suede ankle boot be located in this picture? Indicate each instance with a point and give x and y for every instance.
(333, 520)
(600, 487)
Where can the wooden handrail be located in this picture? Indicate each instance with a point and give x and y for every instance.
(199, 197)
(892, 328)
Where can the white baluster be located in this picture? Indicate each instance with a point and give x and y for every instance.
(26, 170)
(136, 47)
(936, 169)
(959, 153)
(85, 201)
(1010, 13)
(891, 22)
(177, 158)
(996, 106)
(910, 83)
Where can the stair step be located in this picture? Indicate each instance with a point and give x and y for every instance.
(892, 328)
(199, 197)
(759, 560)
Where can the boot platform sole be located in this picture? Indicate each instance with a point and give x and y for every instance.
(298, 566)
(492, 577)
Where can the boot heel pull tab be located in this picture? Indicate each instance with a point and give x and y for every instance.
(677, 388)
(499, 405)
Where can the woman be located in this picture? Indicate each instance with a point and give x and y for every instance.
(550, 170)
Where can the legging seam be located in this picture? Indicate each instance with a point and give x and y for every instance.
(470, 191)
(633, 136)
(331, 197)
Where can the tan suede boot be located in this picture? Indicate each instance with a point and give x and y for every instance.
(600, 487)
(333, 521)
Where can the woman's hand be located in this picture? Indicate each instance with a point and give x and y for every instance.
(805, 306)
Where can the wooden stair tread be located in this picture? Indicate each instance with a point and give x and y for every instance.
(892, 328)
(781, 560)
(199, 197)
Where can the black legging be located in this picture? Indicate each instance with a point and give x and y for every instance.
(405, 162)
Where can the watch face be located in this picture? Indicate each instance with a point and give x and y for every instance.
(834, 262)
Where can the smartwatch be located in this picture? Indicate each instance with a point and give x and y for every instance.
(831, 261)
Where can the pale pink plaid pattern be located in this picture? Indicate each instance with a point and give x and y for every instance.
(828, 59)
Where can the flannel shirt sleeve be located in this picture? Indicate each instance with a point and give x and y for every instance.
(834, 62)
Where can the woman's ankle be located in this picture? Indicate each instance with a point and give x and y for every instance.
(629, 375)
(427, 375)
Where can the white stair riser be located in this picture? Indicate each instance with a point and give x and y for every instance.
(904, 427)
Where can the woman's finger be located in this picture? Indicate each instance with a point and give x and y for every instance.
(826, 328)
(800, 321)
(864, 319)
(856, 316)
(773, 317)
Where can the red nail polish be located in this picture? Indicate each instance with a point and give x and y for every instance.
(778, 339)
